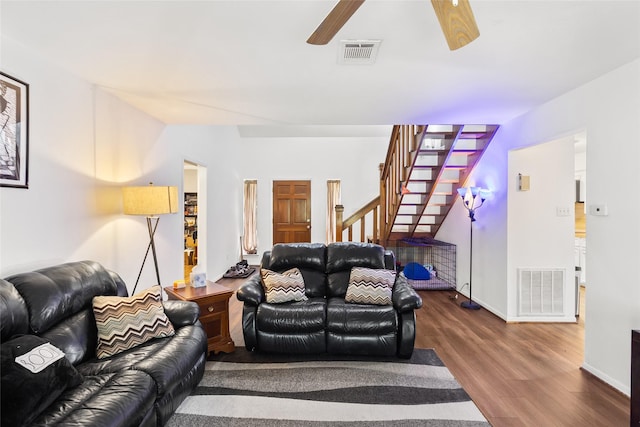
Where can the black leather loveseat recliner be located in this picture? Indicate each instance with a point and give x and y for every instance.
(139, 386)
(325, 322)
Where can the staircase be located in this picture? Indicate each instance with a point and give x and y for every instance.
(424, 167)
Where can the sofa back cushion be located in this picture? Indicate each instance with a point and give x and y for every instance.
(55, 293)
(343, 256)
(309, 258)
(58, 300)
(14, 317)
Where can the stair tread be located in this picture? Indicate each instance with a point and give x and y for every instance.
(464, 151)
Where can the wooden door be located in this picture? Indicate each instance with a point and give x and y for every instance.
(291, 211)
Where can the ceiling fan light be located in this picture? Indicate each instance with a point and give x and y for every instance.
(455, 3)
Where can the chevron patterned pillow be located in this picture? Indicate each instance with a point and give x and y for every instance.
(370, 286)
(126, 322)
(283, 287)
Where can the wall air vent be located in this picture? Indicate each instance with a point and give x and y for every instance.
(541, 291)
(358, 51)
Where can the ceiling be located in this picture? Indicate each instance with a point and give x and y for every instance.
(246, 62)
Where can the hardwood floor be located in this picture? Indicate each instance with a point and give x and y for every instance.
(518, 374)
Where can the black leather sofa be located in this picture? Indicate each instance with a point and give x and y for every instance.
(141, 386)
(325, 322)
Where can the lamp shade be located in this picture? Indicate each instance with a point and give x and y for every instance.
(150, 200)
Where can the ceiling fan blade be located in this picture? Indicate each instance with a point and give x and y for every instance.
(457, 22)
(338, 16)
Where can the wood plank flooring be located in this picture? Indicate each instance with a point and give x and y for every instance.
(518, 374)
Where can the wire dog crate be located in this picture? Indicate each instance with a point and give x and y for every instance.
(429, 252)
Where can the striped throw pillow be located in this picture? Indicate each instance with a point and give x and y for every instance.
(283, 287)
(126, 322)
(370, 286)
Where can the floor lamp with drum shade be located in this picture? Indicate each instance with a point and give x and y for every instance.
(150, 201)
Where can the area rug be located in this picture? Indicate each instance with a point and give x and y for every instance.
(245, 389)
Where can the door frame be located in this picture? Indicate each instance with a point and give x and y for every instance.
(273, 206)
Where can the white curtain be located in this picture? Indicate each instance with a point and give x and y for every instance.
(333, 199)
(250, 241)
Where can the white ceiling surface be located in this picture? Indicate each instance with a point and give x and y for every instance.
(247, 63)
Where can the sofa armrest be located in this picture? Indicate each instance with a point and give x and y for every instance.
(404, 297)
(181, 313)
(251, 291)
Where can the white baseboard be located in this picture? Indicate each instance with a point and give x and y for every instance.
(626, 390)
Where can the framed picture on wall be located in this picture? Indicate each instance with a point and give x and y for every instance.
(14, 132)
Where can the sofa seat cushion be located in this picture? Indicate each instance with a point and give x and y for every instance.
(360, 319)
(123, 398)
(166, 360)
(294, 317)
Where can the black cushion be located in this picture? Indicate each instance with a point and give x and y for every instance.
(293, 343)
(360, 319)
(181, 313)
(405, 299)
(14, 317)
(26, 394)
(55, 293)
(342, 256)
(252, 291)
(299, 317)
(124, 398)
(314, 282)
(302, 255)
(370, 345)
(76, 336)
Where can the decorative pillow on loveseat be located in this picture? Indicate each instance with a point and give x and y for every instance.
(370, 286)
(283, 287)
(34, 374)
(126, 322)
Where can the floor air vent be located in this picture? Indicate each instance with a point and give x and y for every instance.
(541, 292)
(358, 51)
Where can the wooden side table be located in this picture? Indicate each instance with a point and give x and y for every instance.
(213, 301)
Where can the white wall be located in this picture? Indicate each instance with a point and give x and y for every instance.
(85, 144)
(489, 233)
(538, 236)
(190, 180)
(354, 161)
(213, 147)
(71, 210)
(608, 109)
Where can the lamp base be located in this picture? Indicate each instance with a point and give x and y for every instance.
(470, 305)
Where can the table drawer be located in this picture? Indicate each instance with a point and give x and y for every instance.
(210, 306)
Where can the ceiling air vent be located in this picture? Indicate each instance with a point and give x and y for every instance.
(358, 51)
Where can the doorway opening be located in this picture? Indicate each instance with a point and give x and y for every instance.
(195, 217)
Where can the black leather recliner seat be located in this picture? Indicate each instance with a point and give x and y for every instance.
(141, 386)
(325, 322)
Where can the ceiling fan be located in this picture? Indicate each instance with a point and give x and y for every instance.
(455, 16)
